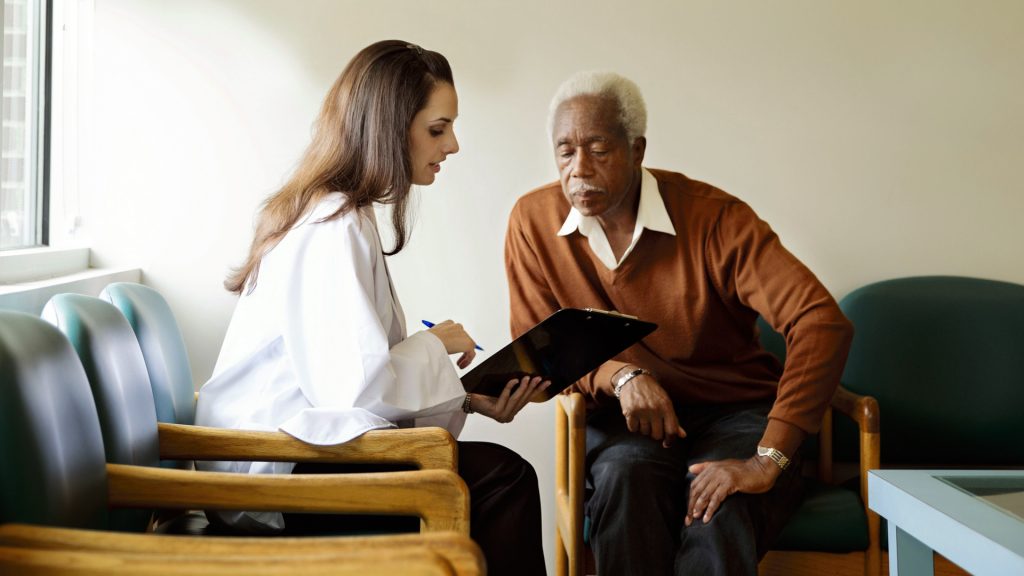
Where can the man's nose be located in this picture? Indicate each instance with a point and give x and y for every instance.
(582, 166)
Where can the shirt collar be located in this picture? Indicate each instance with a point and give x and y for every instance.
(651, 213)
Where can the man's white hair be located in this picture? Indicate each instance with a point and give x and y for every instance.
(625, 93)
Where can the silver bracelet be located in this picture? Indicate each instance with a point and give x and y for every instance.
(466, 406)
(623, 380)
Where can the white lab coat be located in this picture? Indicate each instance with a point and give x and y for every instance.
(319, 350)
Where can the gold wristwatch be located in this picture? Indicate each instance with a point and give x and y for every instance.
(777, 456)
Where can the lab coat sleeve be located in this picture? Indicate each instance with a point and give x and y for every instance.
(336, 336)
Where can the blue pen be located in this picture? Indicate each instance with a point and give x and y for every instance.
(430, 324)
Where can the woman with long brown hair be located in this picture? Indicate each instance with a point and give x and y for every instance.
(317, 346)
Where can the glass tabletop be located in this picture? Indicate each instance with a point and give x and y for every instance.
(1005, 493)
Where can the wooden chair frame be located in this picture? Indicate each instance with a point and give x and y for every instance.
(570, 456)
(425, 448)
(412, 560)
(458, 550)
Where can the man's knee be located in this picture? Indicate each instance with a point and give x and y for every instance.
(624, 469)
(732, 516)
(726, 544)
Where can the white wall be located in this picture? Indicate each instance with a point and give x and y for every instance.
(879, 138)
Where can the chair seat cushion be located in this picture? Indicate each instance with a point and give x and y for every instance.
(830, 519)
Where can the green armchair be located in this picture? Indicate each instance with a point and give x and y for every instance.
(944, 356)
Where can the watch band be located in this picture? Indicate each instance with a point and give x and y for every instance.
(625, 378)
(776, 455)
(466, 406)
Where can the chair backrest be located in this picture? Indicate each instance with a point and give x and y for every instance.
(52, 469)
(771, 340)
(944, 357)
(113, 363)
(162, 347)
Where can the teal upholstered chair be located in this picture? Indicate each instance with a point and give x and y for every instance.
(119, 383)
(832, 518)
(944, 356)
(163, 348)
(51, 448)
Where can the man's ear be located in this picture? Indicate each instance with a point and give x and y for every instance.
(639, 147)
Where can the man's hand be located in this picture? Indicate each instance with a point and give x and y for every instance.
(649, 411)
(719, 479)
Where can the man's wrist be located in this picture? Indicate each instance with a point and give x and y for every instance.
(625, 378)
(774, 456)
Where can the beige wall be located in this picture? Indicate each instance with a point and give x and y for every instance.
(880, 138)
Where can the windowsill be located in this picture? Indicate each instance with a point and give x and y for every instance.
(69, 279)
(30, 277)
(29, 265)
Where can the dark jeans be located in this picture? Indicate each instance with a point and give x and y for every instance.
(640, 493)
(504, 505)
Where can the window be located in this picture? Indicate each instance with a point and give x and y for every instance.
(23, 155)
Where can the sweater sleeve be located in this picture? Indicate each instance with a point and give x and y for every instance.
(749, 264)
(530, 297)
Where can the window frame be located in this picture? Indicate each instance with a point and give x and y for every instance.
(38, 128)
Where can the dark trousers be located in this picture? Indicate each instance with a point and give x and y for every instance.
(640, 493)
(504, 505)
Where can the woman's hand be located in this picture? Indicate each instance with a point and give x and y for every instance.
(456, 341)
(515, 395)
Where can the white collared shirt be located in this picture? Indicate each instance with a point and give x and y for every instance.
(651, 215)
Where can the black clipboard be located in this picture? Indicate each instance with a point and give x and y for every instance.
(563, 348)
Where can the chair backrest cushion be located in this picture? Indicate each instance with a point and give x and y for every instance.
(113, 362)
(162, 347)
(944, 357)
(771, 340)
(52, 469)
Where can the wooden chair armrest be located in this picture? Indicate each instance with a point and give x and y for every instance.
(861, 409)
(464, 555)
(425, 448)
(865, 412)
(420, 561)
(570, 453)
(438, 497)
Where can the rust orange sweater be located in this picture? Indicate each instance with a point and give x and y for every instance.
(704, 287)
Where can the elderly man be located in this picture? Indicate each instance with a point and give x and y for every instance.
(694, 434)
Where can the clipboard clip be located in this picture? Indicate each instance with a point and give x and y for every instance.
(611, 313)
